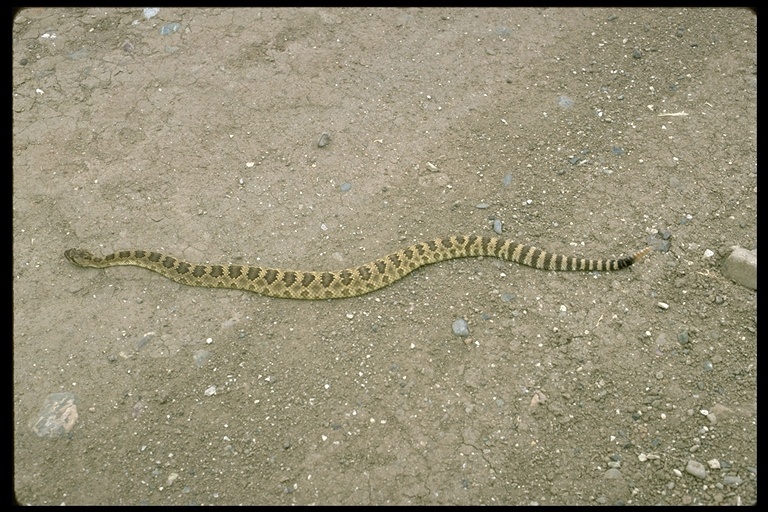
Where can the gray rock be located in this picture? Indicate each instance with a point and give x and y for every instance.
(169, 28)
(696, 469)
(58, 415)
(201, 357)
(460, 328)
(741, 267)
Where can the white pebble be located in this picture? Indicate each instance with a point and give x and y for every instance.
(663, 305)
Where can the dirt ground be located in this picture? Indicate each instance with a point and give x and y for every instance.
(589, 132)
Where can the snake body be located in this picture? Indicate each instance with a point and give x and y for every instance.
(350, 282)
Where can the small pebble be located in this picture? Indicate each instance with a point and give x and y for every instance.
(696, 469)
(497, 226)
(345, 187)
(663, 305)
(565, 101)
(663, 245)
(507, 180)
(733, 481)
(201, 357)
(324, 140)
(460, 328)
(169, 28)
(57, 416)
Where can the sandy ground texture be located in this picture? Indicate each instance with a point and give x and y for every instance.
(195, 132)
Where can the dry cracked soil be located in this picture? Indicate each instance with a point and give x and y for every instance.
(195, 132)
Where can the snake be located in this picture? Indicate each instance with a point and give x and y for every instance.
(350, 282)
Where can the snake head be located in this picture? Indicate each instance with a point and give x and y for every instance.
(79, 257)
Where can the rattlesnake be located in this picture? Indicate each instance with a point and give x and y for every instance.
(350, 282)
